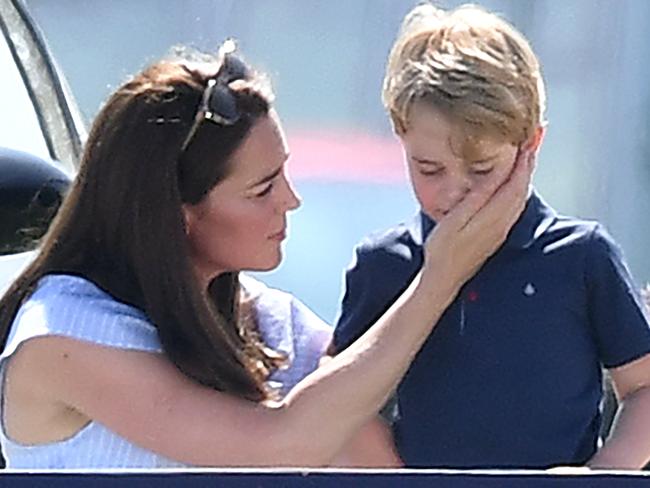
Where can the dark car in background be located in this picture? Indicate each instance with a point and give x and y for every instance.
(41, 136)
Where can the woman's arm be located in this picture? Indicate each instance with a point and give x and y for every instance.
(371, 447)
(144, 398)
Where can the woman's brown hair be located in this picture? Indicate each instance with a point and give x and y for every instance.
(121, 225)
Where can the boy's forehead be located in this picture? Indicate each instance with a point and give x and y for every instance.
(429, 130)
(423, 117)
(432, 134)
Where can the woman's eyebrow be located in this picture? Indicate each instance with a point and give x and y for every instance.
(425, 161)
(267, 178)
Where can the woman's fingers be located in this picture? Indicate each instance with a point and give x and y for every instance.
(515, 187)
(464, 211)
(508, 201)
(479, 224)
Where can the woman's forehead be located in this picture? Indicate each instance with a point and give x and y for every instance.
(262, 151)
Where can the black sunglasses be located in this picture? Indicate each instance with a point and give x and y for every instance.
(218, 103)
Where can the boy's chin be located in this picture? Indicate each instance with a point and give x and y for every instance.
(436, 216)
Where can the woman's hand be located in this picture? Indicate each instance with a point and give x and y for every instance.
(475, 228)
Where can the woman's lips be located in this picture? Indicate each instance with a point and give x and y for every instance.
(279, 236)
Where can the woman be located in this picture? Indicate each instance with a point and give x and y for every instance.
(131, 340)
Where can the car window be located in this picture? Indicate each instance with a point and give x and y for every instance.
(19, 126)
(38, 116)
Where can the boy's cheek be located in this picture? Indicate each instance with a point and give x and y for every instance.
(426, 194)
(498, 176)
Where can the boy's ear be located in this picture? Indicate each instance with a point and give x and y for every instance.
(535, 142)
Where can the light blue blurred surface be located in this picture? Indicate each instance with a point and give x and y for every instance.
(324, 231)
(327, 60)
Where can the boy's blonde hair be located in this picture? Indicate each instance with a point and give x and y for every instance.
(472, 66)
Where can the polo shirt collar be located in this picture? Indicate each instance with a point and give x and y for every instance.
(534, 221)
(420, 227)
(536, 218)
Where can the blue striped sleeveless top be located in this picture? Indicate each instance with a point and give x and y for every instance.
(71, 306)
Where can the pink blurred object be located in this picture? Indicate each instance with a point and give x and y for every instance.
(347, 157)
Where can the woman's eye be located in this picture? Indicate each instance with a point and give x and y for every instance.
(267, 189)
(431, 172)
(482, 172)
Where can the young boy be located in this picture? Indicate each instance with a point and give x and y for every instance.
(512, 374)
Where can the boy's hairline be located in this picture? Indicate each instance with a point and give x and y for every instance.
(395, 88)
(460, 125)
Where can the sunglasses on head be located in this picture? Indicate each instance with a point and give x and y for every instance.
(218, 103)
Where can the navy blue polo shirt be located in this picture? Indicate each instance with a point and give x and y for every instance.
(511, 374)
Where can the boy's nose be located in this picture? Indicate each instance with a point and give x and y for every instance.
(453, 193)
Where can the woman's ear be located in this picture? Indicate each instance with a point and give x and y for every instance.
(188, 217)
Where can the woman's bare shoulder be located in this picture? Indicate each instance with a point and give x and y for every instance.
(144, 398)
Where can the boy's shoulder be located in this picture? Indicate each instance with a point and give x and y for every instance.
(540, 223)
(401, 241)
(569, 232)
(569, 225)
(540, 227)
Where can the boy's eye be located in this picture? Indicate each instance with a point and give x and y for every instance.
(482, 172)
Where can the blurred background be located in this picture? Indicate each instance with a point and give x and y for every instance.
(326, 59)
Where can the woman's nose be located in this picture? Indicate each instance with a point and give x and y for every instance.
(290, 200)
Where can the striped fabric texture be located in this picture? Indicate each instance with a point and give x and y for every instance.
(71, 306)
